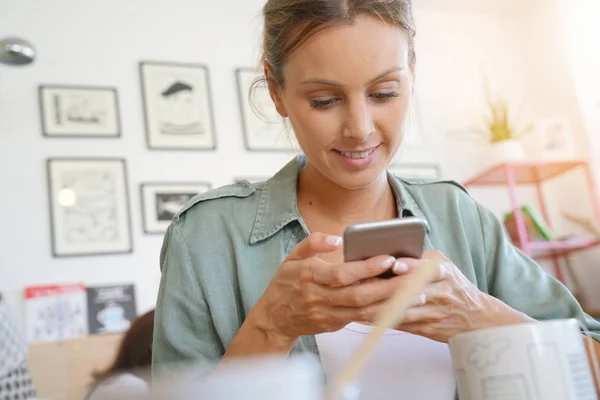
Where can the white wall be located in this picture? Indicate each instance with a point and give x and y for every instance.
(100, 43)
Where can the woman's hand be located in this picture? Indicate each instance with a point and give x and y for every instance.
(308, 295)
(451, 304)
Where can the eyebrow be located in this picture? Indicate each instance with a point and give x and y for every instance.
(337, 84)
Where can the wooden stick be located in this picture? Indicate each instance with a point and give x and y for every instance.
(391, 315)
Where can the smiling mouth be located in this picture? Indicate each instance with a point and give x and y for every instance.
(357, 154)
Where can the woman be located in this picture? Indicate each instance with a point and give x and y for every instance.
(258, 269)
(128, 372)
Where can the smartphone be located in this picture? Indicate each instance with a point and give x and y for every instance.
(400, 237)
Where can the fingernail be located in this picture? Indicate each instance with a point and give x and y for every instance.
(400, 267)
(423, 298)
(333, 241)
(387, 264)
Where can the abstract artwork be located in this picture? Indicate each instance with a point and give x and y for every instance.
(264, 128)
(89, 206)
(162, 201)
(177, 106)
(78, 111)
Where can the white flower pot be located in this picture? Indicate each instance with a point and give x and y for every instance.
(506, 151)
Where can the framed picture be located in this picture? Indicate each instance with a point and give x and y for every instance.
(177, 106)
(416, 171)
(79, 111)
(264, 129)
(89, 206)
(254, 179)
(161, 201)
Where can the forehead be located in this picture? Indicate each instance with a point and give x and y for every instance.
(349, 53)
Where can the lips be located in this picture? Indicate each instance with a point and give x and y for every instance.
(358, 154)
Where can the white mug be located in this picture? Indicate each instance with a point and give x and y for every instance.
(536, 361)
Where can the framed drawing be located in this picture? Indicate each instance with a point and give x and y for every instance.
(177, 106)
(264, 129)
(79, 111)
(161, 201)
(416, 171)
(89, 206)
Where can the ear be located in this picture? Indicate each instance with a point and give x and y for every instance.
(275, 92)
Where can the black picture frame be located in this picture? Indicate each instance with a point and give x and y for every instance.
(208, 110)
(51, 130)
(248, 118)
(158, 226)
(125, 208)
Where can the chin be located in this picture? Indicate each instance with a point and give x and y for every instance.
(357, 180)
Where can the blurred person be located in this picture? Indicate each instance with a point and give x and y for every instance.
(258, 269)
(128, 374)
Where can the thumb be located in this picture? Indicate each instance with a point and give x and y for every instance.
(314, 244)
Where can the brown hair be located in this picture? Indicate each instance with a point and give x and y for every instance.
(135, 349)
(281, 17)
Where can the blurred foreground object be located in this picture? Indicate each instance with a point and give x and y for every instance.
(15, 382)
(15, 51)
(272, 378)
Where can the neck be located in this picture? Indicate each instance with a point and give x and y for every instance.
(316, 193)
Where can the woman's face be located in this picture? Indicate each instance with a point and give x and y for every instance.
(347, 92)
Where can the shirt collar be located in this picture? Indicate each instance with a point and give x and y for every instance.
(278, 204)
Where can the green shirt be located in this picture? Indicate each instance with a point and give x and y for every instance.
(224, 247)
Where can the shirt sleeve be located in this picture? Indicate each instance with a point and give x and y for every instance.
(183, 329)
(518, 281)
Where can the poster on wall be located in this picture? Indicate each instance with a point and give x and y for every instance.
(264, 129)
(89, 206)
(110, 309)
(55, 312)
(177, 106)
(79, 111)
(161, 201)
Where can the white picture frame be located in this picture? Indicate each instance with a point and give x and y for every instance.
(416, 171)
(162, 200)
(263, 128)
(79, 111)
(89, 206)
(177, 103)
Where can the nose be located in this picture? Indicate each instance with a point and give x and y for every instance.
(359, 123)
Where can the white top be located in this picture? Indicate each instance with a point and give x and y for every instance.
(402, 365)
(118, 386)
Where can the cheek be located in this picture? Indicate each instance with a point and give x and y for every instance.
(314, 127)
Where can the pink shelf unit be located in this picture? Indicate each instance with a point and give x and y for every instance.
(514, 174)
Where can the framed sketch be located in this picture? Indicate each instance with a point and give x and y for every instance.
(177, 106)
(161, 201)
(416, 171)
(79, 111)
(264, 129)
(89, 206)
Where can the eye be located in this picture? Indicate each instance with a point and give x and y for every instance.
(324, 103)
(383, 97)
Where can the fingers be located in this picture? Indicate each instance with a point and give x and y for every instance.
(348, 273)
(362, 295)
(314, 244)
